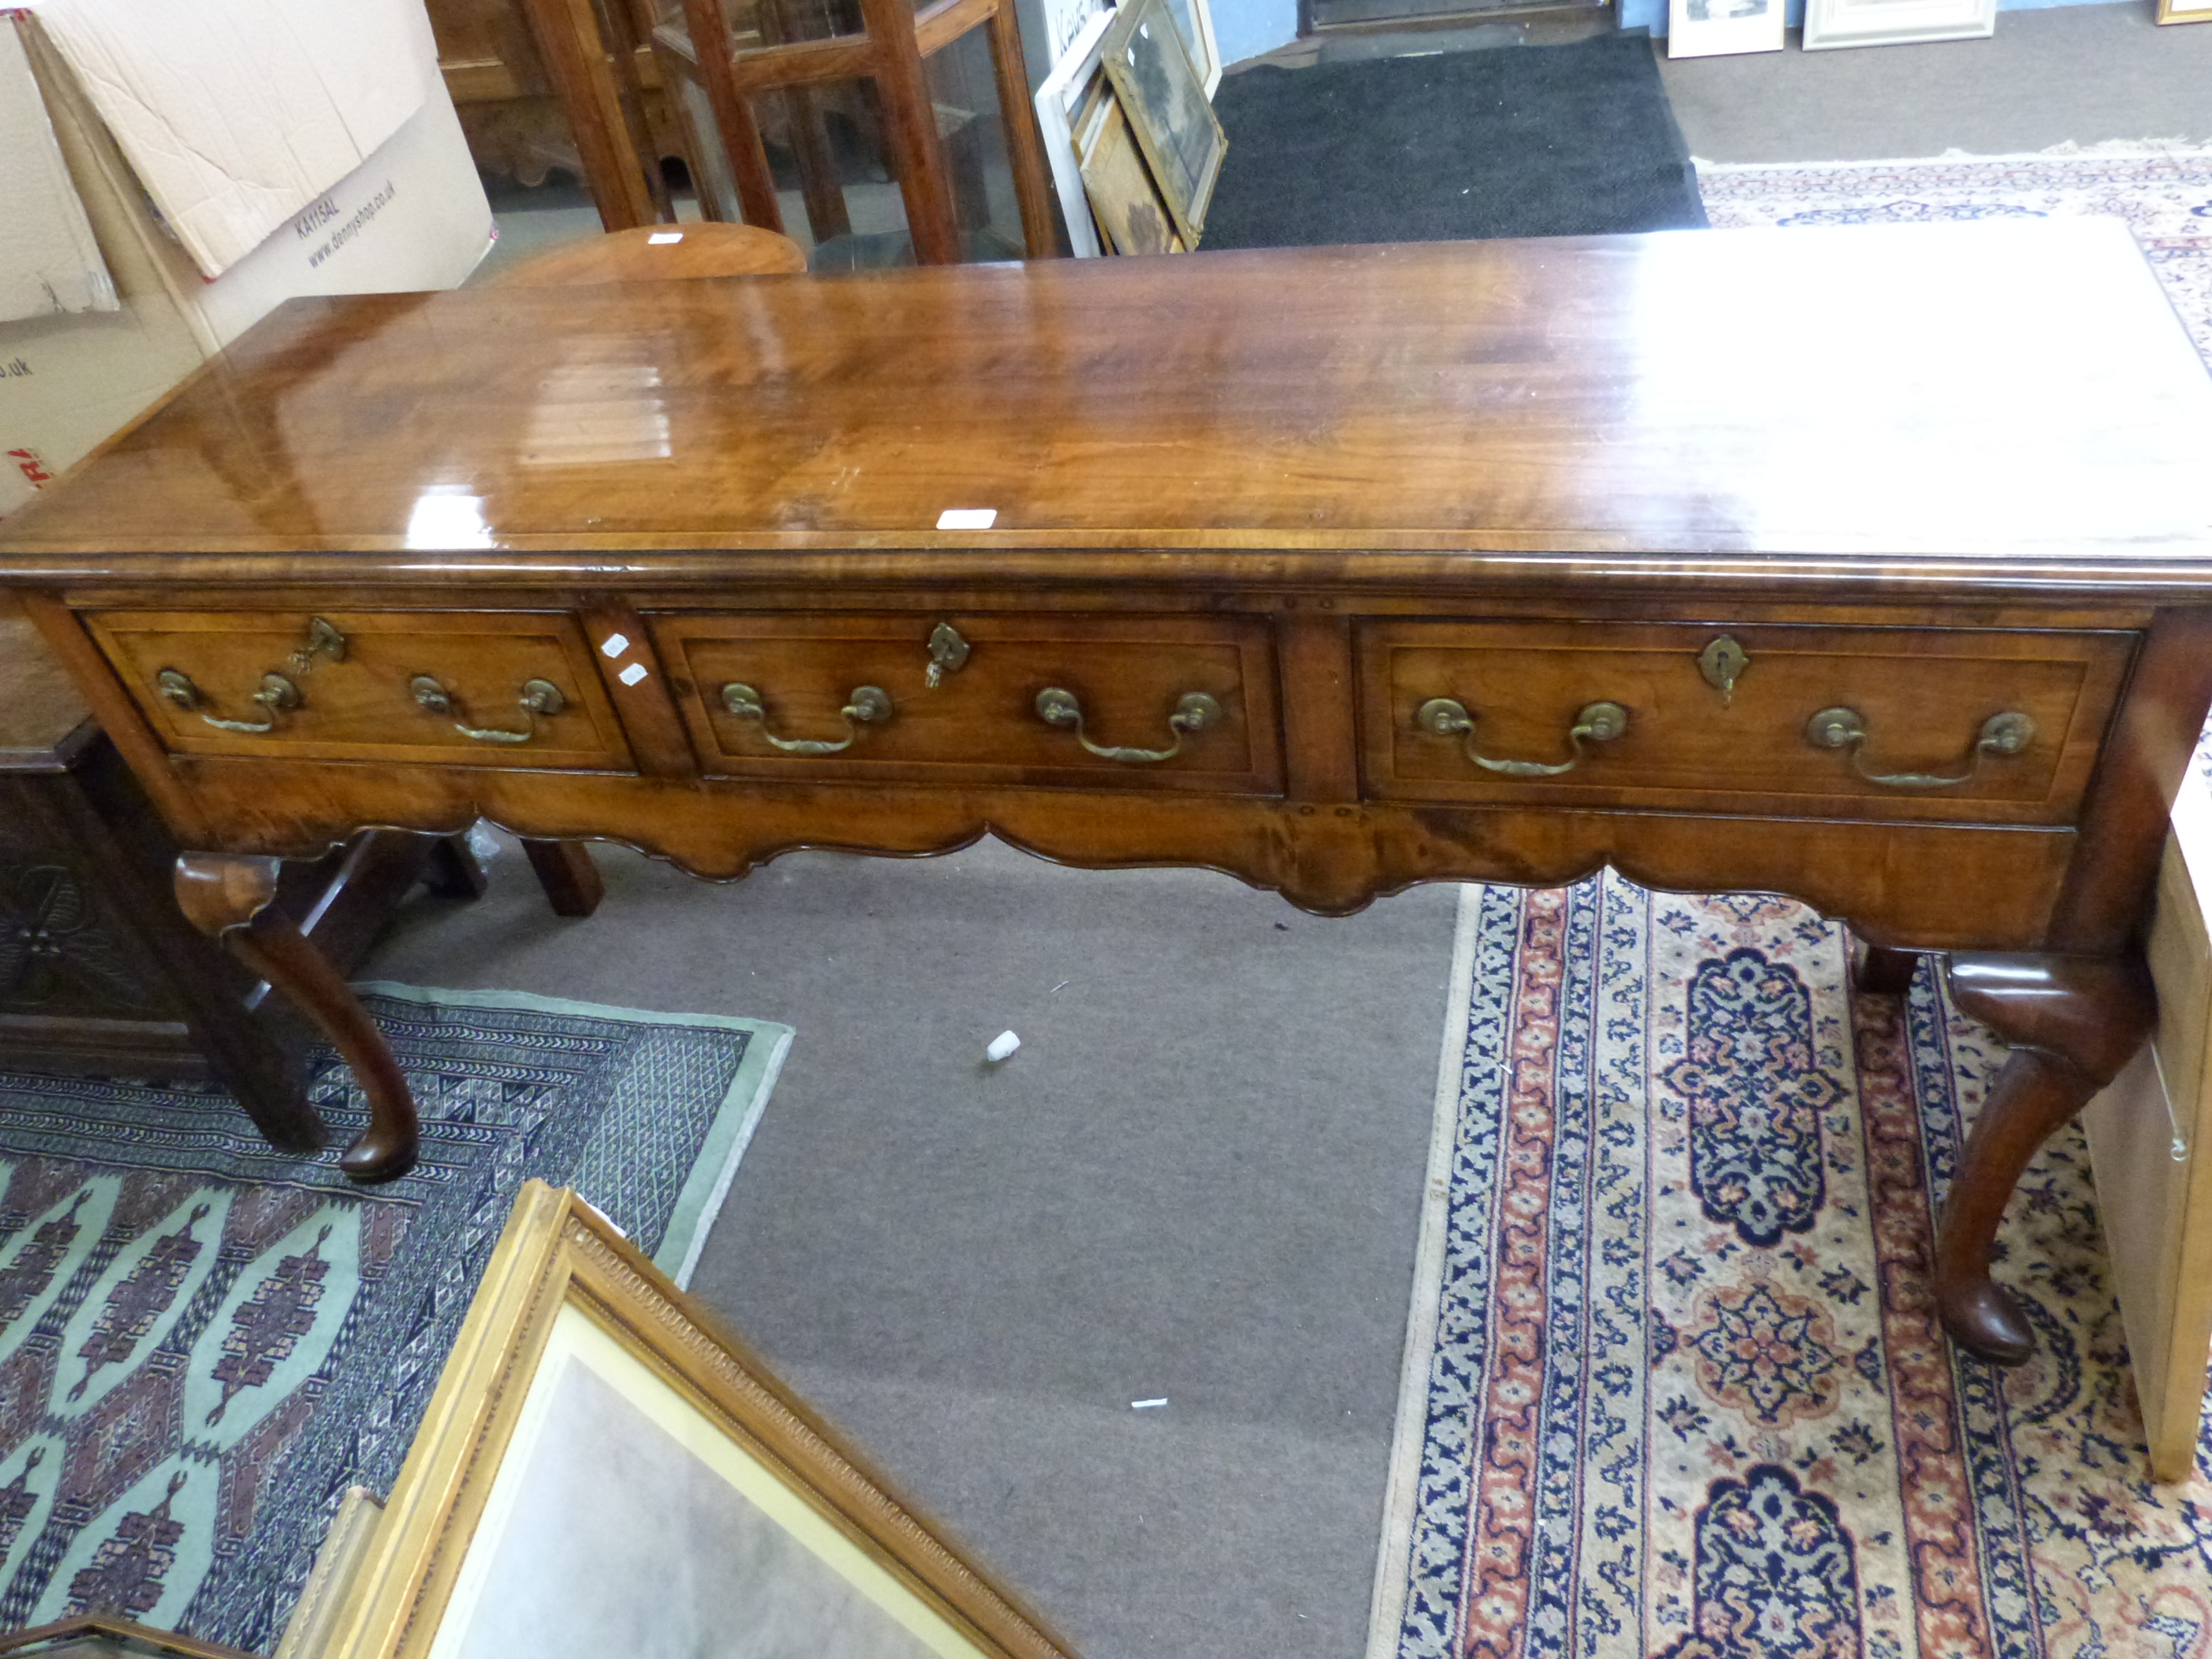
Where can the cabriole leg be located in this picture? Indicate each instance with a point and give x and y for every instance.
(2073, 1022)
(232, 899)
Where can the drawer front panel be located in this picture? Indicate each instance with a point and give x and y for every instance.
(1129, 681)
(373, 686)
(1919, 705)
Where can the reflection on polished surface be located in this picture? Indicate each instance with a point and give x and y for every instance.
(1930, 390)
(448, 516)
(601, 404)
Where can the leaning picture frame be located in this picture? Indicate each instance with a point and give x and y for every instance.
(1169, 115)
(2185, 11)
(603, 1470)
(1832, 24)
(1058, 101)
(1709, 28)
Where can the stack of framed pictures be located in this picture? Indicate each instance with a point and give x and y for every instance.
(1130, 131)
(604, 1472)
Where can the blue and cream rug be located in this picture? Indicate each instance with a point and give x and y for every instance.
(204, 1342)
(1674, 1384)
(2164, 192)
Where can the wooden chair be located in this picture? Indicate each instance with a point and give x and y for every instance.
(725, 64)
(661, 253)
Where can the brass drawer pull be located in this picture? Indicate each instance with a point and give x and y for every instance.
(868, 705)
(276, 694)
(2005, 734)
(1599, 722)
(538, 698)
(1195, 711)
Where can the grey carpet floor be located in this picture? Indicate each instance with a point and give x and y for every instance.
(1198, 1180)
(2077, 75)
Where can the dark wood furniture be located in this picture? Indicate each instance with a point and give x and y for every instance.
(908, 74)
(100, 972)
(1733, 559)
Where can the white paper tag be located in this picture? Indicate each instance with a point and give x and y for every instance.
(633, 674)
(968, 518)
(661, 236)
(614, 645)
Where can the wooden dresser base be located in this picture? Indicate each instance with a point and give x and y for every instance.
(1337, 569)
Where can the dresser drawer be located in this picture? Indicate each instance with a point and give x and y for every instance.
(1142, 703)
(440, 687)
(1965, 724)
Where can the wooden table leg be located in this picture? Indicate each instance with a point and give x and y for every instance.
(232, 898)
(572, 882)
(2073, 1022)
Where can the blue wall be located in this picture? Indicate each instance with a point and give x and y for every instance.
(1652, 14)
(1245, 29)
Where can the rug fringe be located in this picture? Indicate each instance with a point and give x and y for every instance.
(1387, 1607)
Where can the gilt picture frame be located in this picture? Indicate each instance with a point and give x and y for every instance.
(1169, 115)
(603, 1469)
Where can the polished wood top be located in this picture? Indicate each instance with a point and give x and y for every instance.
(657, 253)
(2001, 391)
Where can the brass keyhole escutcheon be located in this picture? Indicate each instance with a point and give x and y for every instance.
(324, 640)
(1723, 663)
(948, 653)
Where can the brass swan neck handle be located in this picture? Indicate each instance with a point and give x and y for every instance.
(277, 694)
(866, 705)
(539, 697)
(1195, 711)
(1596, 722)
(2003, 735)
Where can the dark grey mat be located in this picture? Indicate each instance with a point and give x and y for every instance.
(1524, 141)
(1200, 1179)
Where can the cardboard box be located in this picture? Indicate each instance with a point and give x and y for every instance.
(236, 114)
(2150, 1151)
(49, 262)
(413, 217)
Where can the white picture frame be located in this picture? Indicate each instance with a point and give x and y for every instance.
(1056, 99)
(1060, 92)
(1832, 23)
(1712, 28)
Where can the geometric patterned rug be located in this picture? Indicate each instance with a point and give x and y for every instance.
(204, 1342)
(2163, 192)
(1674, 1384)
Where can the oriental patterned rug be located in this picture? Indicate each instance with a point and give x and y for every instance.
(2164, 191)
(1674, 1384)
(203, 1341)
